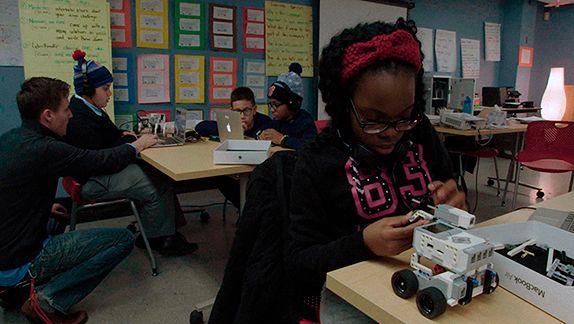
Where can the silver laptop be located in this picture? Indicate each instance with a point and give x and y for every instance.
(557, 218)
(178, 137)
(228, 124)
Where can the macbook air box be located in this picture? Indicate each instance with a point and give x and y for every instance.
(536, 288)
(241, 152)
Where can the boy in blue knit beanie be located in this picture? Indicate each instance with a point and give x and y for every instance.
(91, 128)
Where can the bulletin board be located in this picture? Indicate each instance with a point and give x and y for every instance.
(136, 26)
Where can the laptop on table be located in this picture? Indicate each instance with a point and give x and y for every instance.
(556, 218)
(229, 125)
(178, 137)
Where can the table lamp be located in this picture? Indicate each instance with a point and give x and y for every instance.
(554, 99)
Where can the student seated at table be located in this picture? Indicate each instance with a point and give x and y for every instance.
(292, 126)
(65, 267)
(243, 101)
(253, 122)
(91, 128)
(353, 186)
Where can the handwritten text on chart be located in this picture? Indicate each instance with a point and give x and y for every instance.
(289, 37)
(52, 30)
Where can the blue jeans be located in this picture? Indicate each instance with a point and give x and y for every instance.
(72, 264)
(151, 190)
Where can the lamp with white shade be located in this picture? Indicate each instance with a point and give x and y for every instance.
(554, 98)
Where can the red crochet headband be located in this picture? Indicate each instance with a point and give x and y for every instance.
(399, 44)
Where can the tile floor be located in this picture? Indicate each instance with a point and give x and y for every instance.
(131, 295)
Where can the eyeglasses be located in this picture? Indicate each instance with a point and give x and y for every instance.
(274, 106)
(373, 128)
(245, 111)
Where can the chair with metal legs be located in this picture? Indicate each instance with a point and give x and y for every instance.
(74, 189)
(481, 152)
(549, 147)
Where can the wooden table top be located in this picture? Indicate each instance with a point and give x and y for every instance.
(517, 128)
(367, 286)
(191, 161)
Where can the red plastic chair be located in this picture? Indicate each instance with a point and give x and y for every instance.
(74, 189)
(321, 124)
(549, 147)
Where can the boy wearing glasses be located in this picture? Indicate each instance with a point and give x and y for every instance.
(243, 101)
(291, 126)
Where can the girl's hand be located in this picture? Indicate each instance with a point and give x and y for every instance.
(391, 235)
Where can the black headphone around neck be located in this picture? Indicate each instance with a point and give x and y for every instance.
(86, 87)
(295, 101)
(365, 157)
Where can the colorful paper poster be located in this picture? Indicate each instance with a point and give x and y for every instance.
(525, 56)
(253, 30)
(47, 47)
(189, 79)
(255, 78)
(153, 78)
(222, 27)
(289, 37)
(120, 22)
(445, 50)
(212, 111)
(222, 78)
(10, 45)
(492, 42)
(122, 69)
(189, 25)
(125, 122)
(470, 58)
(425, 37)
(193, 114)
(152, 23)
(155, 114)
(263, 109)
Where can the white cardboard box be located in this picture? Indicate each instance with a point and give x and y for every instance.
(241, 152)
(527, 284)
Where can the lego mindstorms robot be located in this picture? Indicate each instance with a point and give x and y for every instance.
(463, 263)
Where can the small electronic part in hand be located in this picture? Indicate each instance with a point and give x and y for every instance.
(425, 203)
(420, 214)
(424, 210)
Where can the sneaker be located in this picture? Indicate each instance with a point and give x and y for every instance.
(55, 317)
(176, 245)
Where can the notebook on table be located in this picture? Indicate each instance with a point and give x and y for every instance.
(229, 125)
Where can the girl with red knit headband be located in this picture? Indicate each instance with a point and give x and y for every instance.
(354, 186)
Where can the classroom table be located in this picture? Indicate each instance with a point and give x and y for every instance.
(367, 286)
(518, 129)
(513, 111)
(195, 161)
